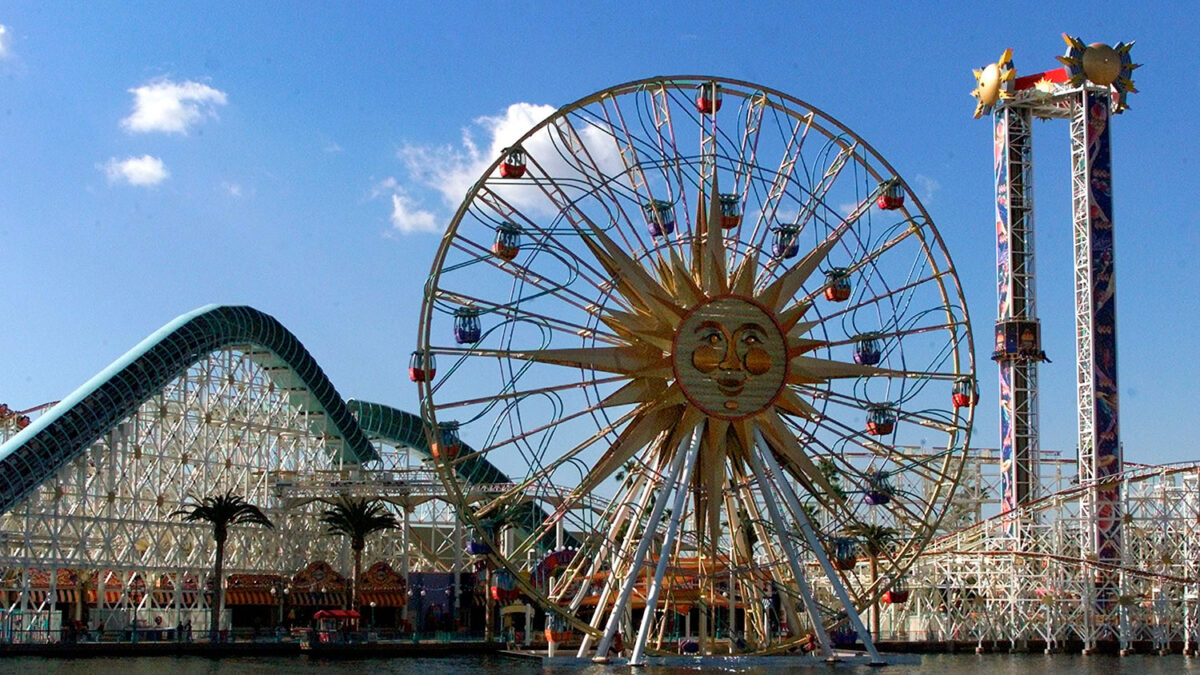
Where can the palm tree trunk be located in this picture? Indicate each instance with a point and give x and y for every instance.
(353, 600)
(218, 591)
(874, 603)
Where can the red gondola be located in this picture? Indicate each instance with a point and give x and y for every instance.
(708, 98)
(731, 211)
(966, 393)
(449, 444)
(504, 587)
(420, 369)
(837, 285)
(881, 420)
(891, 196)
(508, 241)
(557, 629)
(513, 165)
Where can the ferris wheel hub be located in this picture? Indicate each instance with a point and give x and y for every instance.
(730, 357)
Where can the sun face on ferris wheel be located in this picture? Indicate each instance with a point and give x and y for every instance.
(702, 288)
(702, 351)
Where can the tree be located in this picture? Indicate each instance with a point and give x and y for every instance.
(628, 469)
(876, 541)
(357, 519)
(829, 469)
(221, 511)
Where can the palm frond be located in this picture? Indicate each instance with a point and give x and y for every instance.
(222, 511)
(357, 518)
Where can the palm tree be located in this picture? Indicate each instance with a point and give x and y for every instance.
(357, 519)
(627, 469)
(876, 541)
(833, 474)
(221, 511)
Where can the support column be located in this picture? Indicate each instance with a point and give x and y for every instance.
(801, 516)
(670, 481)
(1100, 453)
(459, 545)
(405, 564)
(1018, 332)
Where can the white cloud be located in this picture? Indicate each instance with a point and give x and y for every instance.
(332, 148)
(407, 218)
(384, 187)
(144, 170)
(928, 186)
(172, 107)
(452, 171)
(407, 215)
(5, 42)
(236, 190)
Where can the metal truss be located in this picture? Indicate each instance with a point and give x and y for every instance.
(224, 423)
(1018, 349)
(975, 586)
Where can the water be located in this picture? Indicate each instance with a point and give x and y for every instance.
(950, 664)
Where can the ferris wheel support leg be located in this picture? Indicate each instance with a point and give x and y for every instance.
(639, 556)
(606, 591)
(639, 648)
(810, 603)
(839, 590)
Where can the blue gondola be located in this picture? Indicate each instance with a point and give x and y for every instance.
(879, 489)
(868, 349)
(466, 325)
(660, 217)
(785, 244)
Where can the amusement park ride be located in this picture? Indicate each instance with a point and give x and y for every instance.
(696, 376)
(722, 310)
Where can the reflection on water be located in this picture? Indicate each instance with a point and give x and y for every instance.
(951, 664)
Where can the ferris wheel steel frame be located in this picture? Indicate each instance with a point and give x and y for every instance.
(621, 279)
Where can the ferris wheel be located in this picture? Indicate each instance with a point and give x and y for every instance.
(721, 352)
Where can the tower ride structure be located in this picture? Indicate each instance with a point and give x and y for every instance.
(1087, 91)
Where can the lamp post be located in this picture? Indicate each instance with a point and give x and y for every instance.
(417, 591)
(280, 593)
(372, 615)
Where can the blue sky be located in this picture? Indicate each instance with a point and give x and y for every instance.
(299, 158)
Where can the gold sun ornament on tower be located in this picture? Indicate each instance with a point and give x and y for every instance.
(642, 352)
(1102, 65)
(992, 83)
